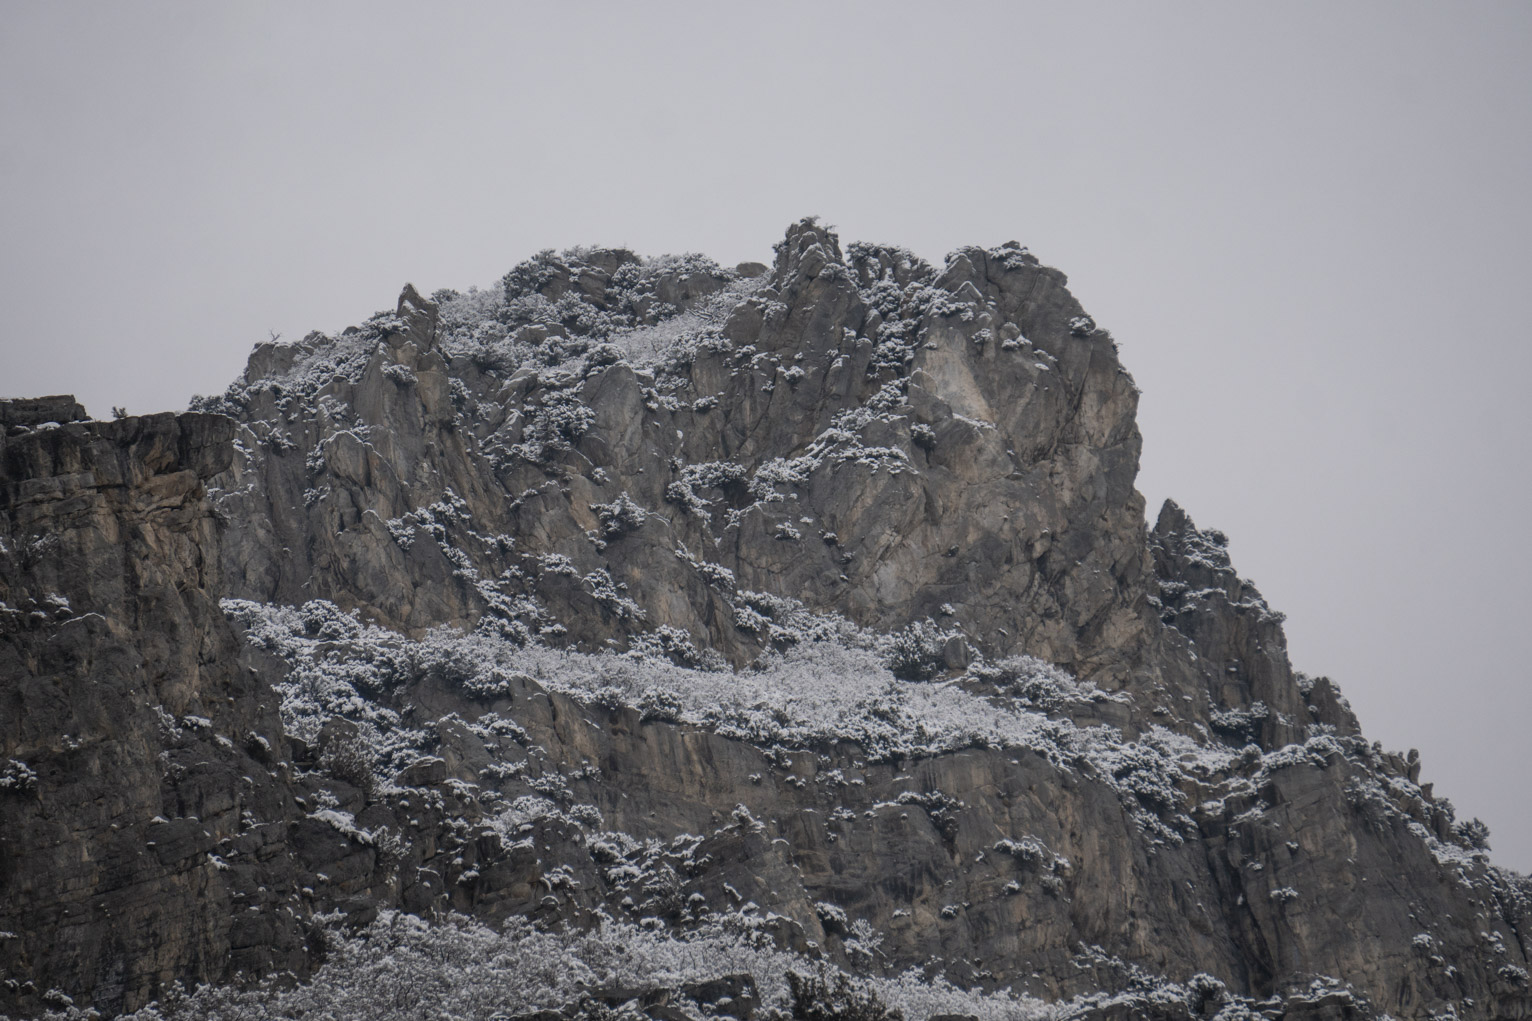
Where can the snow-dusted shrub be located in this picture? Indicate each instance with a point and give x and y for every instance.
(940, 808)
(554, 424)
(585, 308)
(1204, 991)
(1039, 685)
(1012, 256)
(1242, 725)
(671, 643)
(939, 303)
(1472, 833)
(658, 704)
(609, 594)
(603, 355)
(832, 917)
(492, 684)
(532, 275)
(821, 996)
(863, 941)
(1028, 851)
(400, 374)
(349, 758)
(724, 476)
(335, 667)
(17, 777)
(1147, 772)
(680, 494)
(786, 622)
(619, 517)
(556, 564)
(916, 653)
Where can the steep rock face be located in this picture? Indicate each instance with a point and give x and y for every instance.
(861, 435)
(112, 634)
(1238, 638)
(152, 828)
(1017, 866)
(738, 499)
(1010, 869)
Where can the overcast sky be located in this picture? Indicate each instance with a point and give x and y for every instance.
(1307, 225)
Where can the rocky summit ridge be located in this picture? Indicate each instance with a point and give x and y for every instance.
(648, 637)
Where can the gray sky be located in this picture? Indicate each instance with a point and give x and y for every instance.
(1306, 224)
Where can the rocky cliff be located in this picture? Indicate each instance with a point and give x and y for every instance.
(688, 626)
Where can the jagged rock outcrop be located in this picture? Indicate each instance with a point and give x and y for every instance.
(22, 414)
(736, 500)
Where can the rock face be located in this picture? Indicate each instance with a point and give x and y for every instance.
(113, 639)
(866, 648)
(20, 414)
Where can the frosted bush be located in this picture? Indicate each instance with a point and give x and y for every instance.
(17, 776)
(1040, 685)
(351, 759)
(916, 652)
(400, 374)
(1472, 833)
(820, 996)
(832, 917)
(555, 423)
(619, 517)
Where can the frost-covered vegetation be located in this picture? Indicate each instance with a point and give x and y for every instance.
(554, 312)
(833, 685)
(536, 318)
(568, 312)
(401, 967)
(815, 694)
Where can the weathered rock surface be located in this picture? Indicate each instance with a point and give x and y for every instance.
(661, 461)
(112, 633)
(23, 413)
